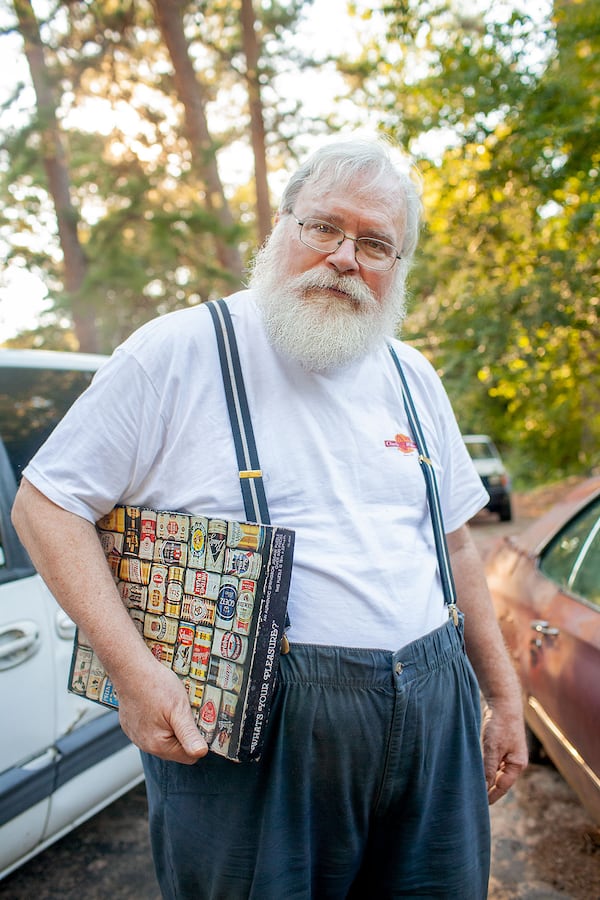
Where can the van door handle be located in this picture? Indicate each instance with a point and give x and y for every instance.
(65, 626)
(18, 642)
(541, 627)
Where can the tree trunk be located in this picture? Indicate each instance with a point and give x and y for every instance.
(257, 123)
(169, 15)
(57, 173)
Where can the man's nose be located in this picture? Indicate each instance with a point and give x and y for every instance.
(343, 258)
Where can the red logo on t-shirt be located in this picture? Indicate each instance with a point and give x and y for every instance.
(403, 443)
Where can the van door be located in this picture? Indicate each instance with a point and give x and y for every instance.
(26, 671)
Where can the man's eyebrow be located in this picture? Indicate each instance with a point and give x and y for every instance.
(372, 231)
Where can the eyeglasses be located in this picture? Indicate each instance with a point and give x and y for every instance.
(326, 238)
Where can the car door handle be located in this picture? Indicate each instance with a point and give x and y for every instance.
(542, 627)
(18, 642)
(65, 626)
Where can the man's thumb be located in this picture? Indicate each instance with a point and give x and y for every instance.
(189, 737)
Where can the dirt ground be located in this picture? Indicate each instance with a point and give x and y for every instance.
(544, 845)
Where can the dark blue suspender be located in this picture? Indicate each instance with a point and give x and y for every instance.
(433, 498)
(251, 483)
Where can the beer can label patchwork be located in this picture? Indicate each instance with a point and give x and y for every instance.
(113, 521)
(226, 675)
(195, 691)
(173, 607)
(107, 693)
(244, 607)
(230, 645)
(201, 654)
(225, 721)
(112, 543)
(95, 678)
(183, 649)
(176, 573)
(81, 670)
(131, 543)
(208, 597)
(243, 563)
(216, 536)
(197, 542)
(147, 533)
(209, 712)
(226, 601)
(172, 526)
(198, 610)
(171, 553)
(245, 536)
(202, 583)
(174, 592)
(160, 628)
(132, 519)
(162, 652)
(132, 569)
(157, 588)
(134, 596)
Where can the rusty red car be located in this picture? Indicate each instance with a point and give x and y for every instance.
(545, 584)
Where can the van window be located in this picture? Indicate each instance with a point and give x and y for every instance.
(32, 401)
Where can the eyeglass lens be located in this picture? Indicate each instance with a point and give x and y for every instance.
(325, 237)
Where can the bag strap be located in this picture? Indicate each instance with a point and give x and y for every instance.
(250, 474)
(433, 498)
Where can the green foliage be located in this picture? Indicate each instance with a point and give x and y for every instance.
(506, 284)
(143, 220)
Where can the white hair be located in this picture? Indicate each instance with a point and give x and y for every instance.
(375, 163)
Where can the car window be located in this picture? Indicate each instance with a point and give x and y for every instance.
(480, 450)
(572, 559)
(32, 401)
(585, 577)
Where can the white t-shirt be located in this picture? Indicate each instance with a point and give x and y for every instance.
(338, 466)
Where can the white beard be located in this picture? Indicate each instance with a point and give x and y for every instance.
(307, 320)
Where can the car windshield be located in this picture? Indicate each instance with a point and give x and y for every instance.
(32, 401)
(480, 450)
(572, 559)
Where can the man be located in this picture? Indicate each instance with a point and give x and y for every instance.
(372, 780)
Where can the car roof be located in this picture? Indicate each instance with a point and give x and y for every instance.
(50, 359)
(534, 538)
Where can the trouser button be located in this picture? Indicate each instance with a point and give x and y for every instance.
(398, 668)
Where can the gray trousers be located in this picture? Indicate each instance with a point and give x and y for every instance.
(371, 785)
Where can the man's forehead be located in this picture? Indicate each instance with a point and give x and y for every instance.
(380, 201)
(363, 187)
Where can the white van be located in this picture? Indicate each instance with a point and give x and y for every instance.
(492, 471)
(62, 758)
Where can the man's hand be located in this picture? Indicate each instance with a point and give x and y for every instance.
(155, 714)
(504, 748)
(503, 732)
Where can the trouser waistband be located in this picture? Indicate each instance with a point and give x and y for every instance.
(366, 667)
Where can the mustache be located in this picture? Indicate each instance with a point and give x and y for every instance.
(355, 289)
